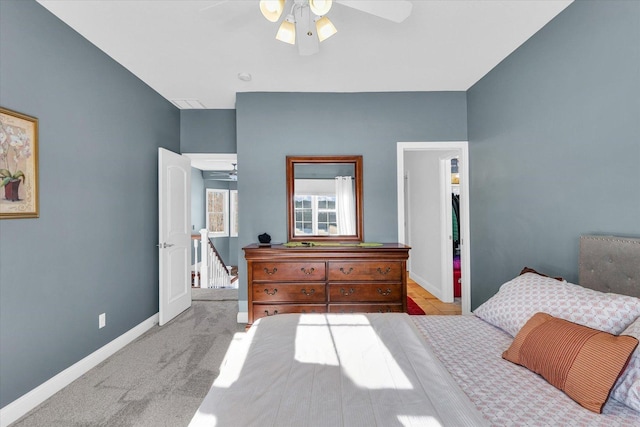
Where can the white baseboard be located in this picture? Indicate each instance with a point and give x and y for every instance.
(243, 317)
(33, 398)
(433, 290)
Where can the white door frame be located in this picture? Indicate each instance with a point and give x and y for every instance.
(463, 168)
(174, 234)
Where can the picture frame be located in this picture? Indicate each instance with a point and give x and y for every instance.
(18, 165)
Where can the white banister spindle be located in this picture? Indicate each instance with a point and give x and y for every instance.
(213, 273)
(204, 258)
(196, 280)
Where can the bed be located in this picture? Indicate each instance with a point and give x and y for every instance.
(397, 370)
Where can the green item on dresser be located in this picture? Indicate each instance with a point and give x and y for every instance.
(310, 244)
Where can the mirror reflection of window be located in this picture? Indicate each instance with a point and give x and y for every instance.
(315, 208)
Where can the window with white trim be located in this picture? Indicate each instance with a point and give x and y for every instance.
(315, 215)
(217, 204)
(233, 206)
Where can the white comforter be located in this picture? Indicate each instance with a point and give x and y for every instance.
(334, 370)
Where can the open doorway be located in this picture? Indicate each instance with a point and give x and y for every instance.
(214, 218)
(425, 211)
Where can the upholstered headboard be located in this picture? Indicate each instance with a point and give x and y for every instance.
(610, 264)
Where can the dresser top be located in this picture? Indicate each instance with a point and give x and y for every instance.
(325, 250)
(329, 246)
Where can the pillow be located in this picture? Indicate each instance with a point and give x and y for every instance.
(522, 297)
(583, 362)
(531, 270)
(627, 389)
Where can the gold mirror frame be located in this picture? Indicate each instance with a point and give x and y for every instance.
(357, 163)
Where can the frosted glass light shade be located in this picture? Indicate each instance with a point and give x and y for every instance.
(325, 28)
(272, 9)
(320, 7)
(287, 31)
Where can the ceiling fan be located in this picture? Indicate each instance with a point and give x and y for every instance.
(231, 175)
(305, 22)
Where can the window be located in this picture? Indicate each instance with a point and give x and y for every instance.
(315, 215)
(217, 212)
(233, 205)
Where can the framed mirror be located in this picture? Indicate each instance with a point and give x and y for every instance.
(324, 198)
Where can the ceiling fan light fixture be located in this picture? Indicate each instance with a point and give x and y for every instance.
(320, 7)
(325, 28)
(287, 31)
(272, 9)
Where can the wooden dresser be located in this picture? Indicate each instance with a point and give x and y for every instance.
(321, 279)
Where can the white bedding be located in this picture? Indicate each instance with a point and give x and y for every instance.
(339, 370)
(507, 394)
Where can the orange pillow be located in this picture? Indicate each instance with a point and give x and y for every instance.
(583, 362)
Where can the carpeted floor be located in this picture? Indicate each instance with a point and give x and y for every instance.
(220, 294)
(159, 379)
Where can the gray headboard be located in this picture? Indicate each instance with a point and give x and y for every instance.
(610, 264)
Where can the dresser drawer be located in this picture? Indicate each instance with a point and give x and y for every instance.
(365, 270)
(356, 292)
(264, 310)
(288, 271)
(289, 292)
(365, 308)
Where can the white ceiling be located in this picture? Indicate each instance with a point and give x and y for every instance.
(195, 49)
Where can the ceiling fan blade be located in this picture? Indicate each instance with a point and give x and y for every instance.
(393, 10)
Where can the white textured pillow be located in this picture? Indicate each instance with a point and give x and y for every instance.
(627, 389)
(522, 297)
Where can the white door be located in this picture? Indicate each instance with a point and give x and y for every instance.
(174, 241)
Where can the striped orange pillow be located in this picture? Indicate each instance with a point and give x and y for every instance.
(583, 362)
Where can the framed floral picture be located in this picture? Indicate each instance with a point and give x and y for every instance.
(18, 165)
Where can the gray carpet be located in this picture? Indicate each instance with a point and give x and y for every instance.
(159, 379)
(220, 294)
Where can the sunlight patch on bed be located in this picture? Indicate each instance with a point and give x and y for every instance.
(417, 420)
(351, 342)
(233, 360)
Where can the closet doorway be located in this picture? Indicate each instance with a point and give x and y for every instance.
(425, 213)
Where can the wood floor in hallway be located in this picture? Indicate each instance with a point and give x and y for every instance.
(429, 303)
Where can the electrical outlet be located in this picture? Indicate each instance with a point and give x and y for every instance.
(102, 320)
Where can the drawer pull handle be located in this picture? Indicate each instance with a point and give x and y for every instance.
(312, 311)
(308, 293)
(347, 293)
(275, 291)
(274, 312)
(384, 272)
(384, 293)
(346, 272)
(307, 272)
(266, 270)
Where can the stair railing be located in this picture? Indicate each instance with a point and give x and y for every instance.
(213, 272)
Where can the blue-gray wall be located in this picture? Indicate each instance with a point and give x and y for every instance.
(93, 248)
(554, 134)
(271, 126)
(198, 208)
(208, 131)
